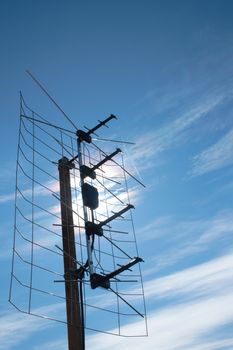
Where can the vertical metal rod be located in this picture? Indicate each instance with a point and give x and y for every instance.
(75, 322)
(85, 214)
(16, 197)
(32, 211)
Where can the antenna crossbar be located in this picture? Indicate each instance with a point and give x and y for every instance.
(86, 135)
(101, 123)
(87, 171)
(116, 215)
(104, 281)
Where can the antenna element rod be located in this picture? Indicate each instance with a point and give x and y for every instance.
(50, 97)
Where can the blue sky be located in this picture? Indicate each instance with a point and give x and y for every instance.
(165, 69)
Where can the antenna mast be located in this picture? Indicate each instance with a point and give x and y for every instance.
(93, 221)
(73, 285)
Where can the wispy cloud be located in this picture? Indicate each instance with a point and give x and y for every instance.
(178, 327)
(207, 279)
(204, 306)
(52, 186)
(17, 327)
(186, 238)
(154, 142)
(52, 345)
(215, 157)
(7, 197)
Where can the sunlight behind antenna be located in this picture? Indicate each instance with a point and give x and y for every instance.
(74, 241)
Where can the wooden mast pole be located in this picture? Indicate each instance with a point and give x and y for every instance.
(74, 302)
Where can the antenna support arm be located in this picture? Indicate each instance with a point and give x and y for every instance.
(104, 281)
(116, 215)
(101, 123)
(85, 136)
(87, 171)
(110, 156)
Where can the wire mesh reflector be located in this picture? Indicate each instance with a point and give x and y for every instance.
(37, 277)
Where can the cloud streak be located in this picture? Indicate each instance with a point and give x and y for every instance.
(152, 143)
(205, 294)
(52, 187)
(187, 238)
(17, 327)
(189, 323)
(215, 157)
(205, 279)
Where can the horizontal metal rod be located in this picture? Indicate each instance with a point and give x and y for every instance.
(46, 123)
(110, 156)
(123, 268)
(101, 123)
(116, 215)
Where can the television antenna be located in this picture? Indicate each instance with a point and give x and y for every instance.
(74, 228)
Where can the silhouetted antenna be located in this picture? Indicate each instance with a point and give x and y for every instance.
(80, 223)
